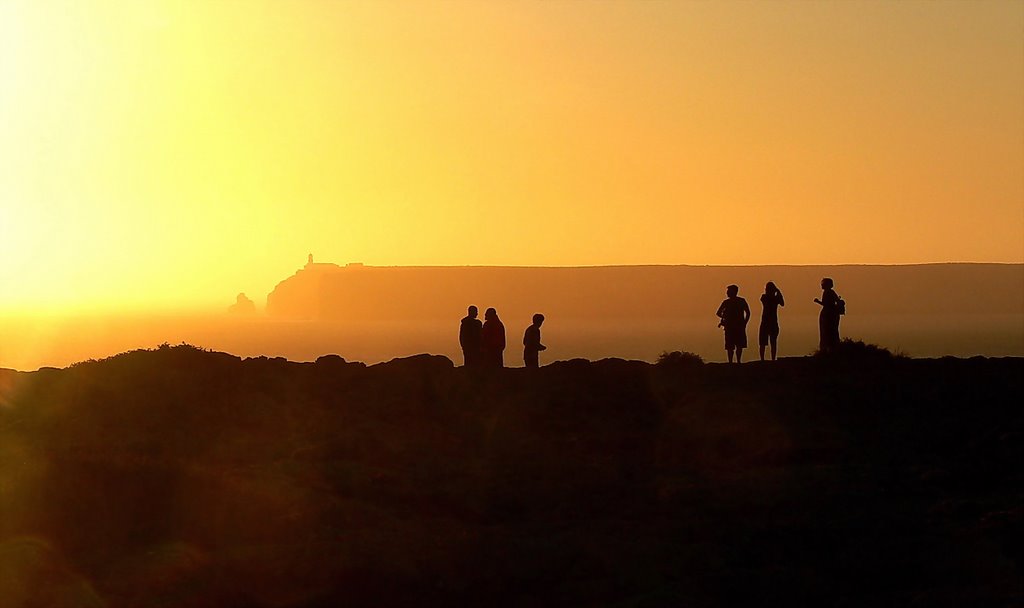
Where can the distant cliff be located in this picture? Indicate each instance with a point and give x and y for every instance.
(299, 296)
(607, 293)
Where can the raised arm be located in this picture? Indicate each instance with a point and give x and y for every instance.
(782, 301)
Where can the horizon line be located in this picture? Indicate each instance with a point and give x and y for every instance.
(666, 265)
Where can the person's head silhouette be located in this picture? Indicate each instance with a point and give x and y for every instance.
(770, 288)
(827, 283)
(472, 312)
(490, 313)
(732, 290)
(538, 319)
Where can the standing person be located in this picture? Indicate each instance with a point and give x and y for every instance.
(828, 319)
(469, 338)
(768, 333)
(734, 314)
(492, 340)
(531, 342)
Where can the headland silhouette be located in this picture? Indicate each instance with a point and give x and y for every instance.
(632, 312)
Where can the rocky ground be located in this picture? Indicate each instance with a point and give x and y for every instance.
(178, 477)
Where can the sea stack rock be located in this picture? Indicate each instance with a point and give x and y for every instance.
(242, 306)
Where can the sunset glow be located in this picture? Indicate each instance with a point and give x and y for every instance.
(511, 303)
(171, 154)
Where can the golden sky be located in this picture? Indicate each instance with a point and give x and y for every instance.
(163, 154)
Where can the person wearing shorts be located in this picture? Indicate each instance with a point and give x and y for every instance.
(734, 314)
(768, 332)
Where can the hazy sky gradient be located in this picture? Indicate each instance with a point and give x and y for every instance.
(165, 154)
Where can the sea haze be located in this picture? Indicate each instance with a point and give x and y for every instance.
(374, 314)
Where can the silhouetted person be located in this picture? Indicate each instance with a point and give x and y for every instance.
(734, 314)
(469, 338)
(768, 333)
(828, 318)
(492, 340)
(531, 342)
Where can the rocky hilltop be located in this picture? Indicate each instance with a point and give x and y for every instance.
(179, 477)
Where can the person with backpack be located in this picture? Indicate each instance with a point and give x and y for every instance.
(832, 308)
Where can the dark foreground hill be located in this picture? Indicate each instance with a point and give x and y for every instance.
(178, 477)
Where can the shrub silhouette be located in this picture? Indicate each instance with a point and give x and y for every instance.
(678, 358)
(860, 350)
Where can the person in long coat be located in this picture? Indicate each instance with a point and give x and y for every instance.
(469, 338)
(828, 318)
(492, 340)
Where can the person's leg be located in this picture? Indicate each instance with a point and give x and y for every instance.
(775, 346)
(830, 337)
(760, 351)
(739, 354)
(729, 351)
